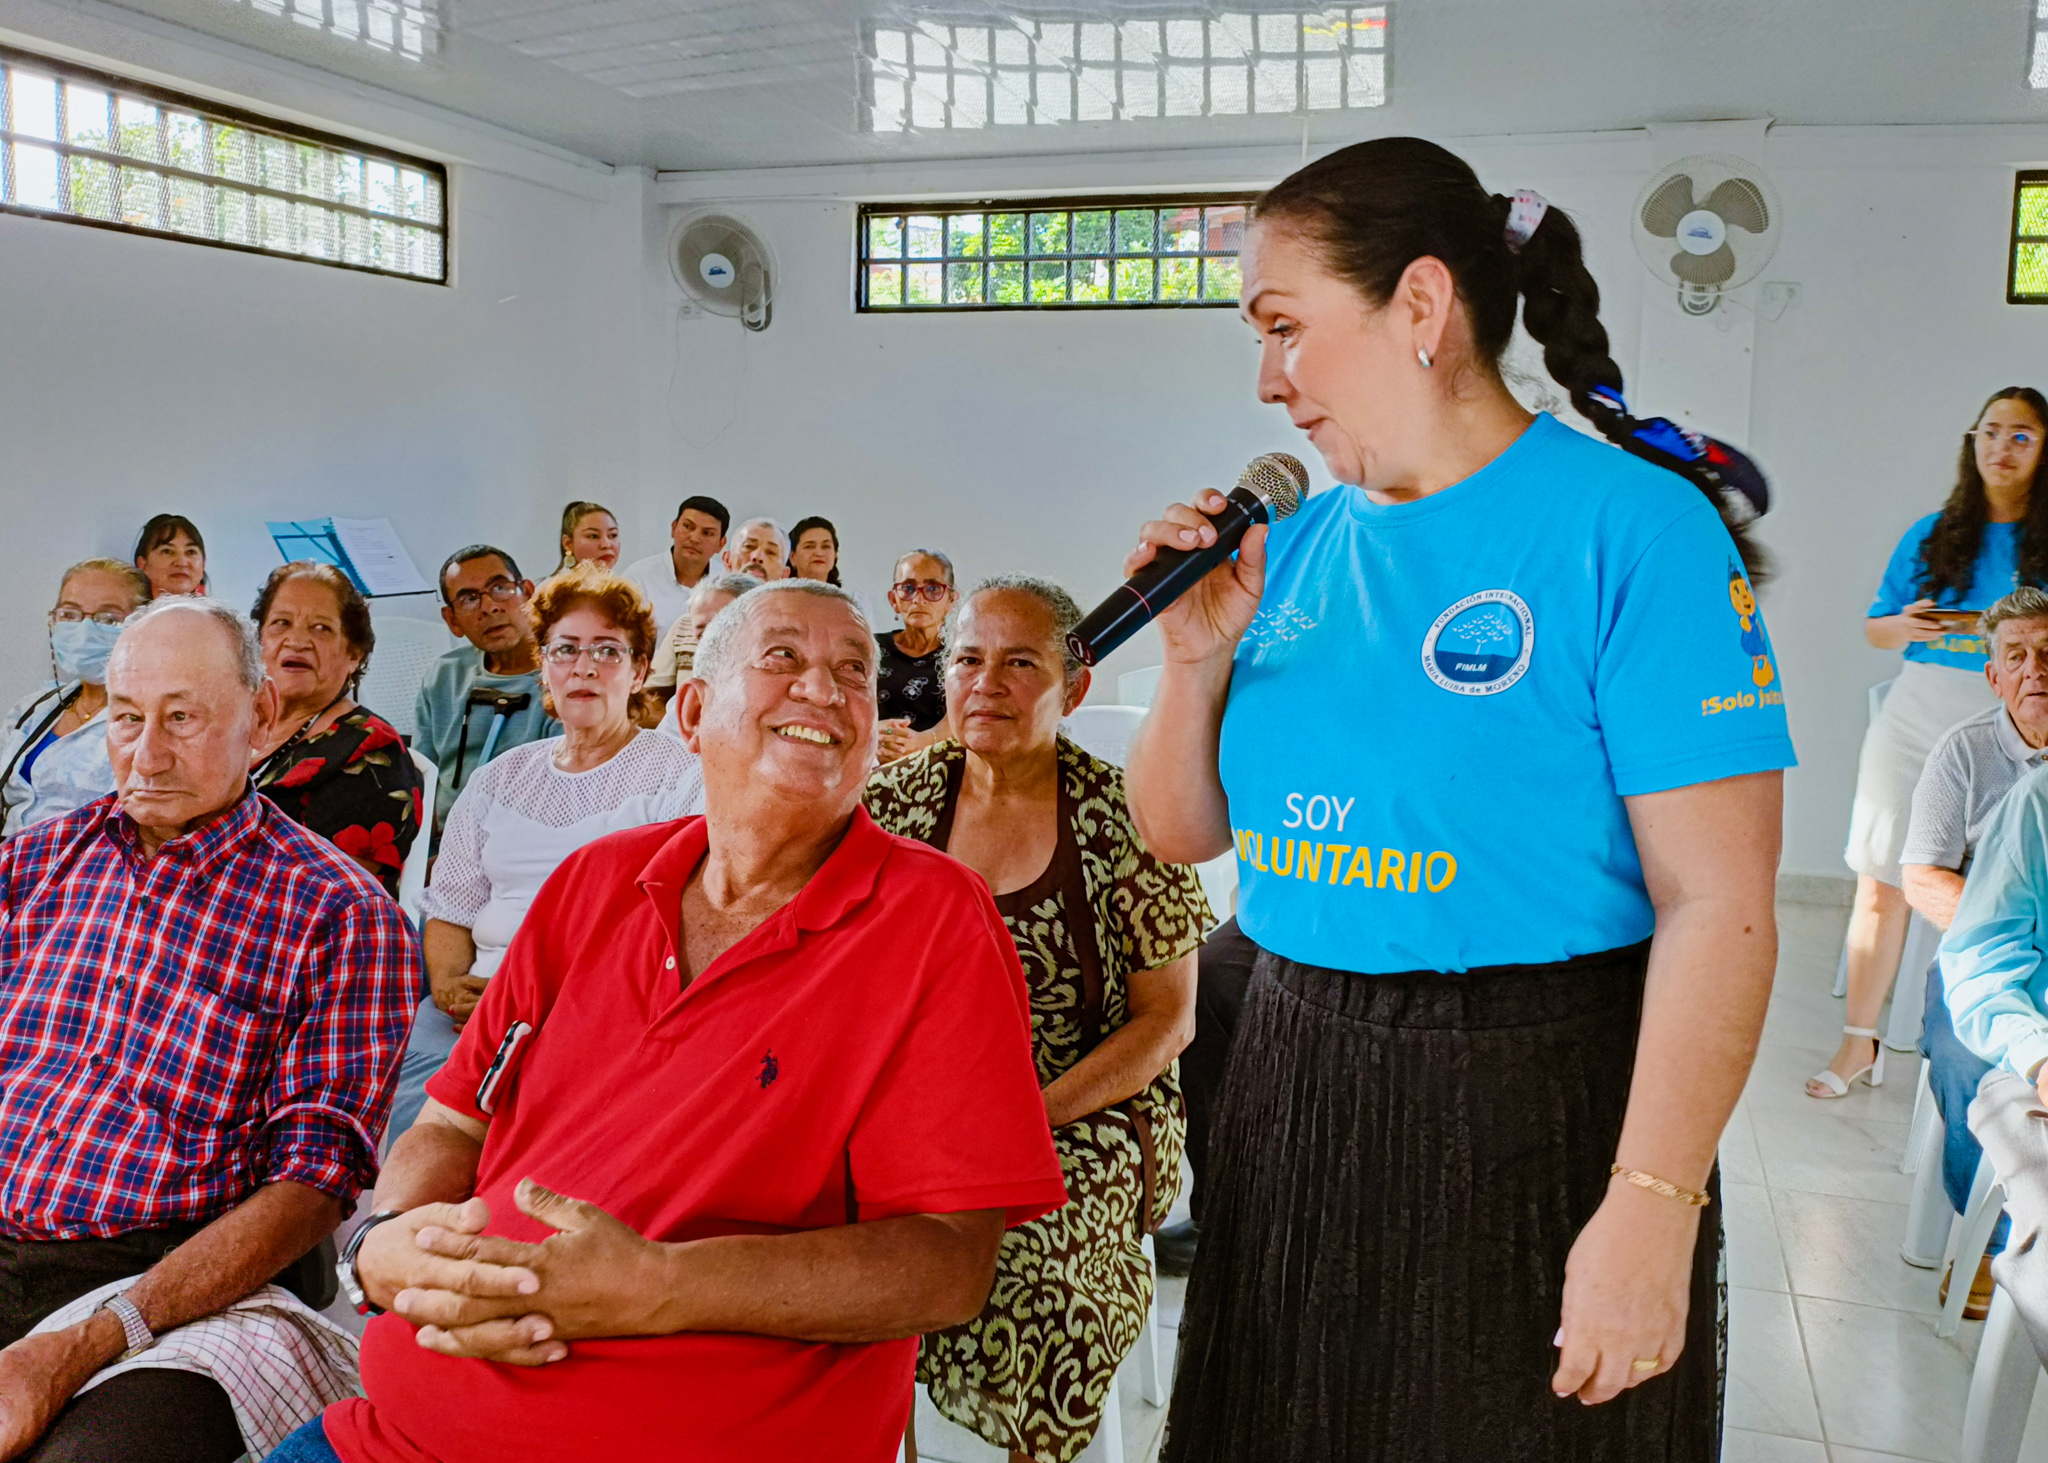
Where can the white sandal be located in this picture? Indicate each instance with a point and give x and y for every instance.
(1873, 1074)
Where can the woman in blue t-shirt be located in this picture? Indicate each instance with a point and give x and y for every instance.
(1990, 535)
(1496, 737)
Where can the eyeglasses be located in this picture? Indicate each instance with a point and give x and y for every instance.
(563, 652)
(501, 590)
(2021, 439)
(69, 616)
(930, 590)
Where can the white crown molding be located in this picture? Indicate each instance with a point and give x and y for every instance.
(1206, 169)
(1629, 152)
(95, 33)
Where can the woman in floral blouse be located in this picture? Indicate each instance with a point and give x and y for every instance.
(1107, 936)
(338, 768)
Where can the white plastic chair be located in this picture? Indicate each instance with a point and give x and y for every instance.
(1105, 731)
(1969, 1237)
(1928, 1216)
(1136, 688)
(412, 879)
(399, 666)
(2001, 1386)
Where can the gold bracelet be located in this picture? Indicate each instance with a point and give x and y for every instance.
(1660, 1186)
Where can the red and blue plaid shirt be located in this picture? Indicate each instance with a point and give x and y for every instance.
(178, 1031)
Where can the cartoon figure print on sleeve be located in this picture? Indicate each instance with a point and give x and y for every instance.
(1754, 645)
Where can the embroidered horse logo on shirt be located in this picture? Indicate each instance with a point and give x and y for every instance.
(770, 1069)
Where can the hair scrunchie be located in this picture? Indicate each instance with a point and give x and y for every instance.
(1526, 208)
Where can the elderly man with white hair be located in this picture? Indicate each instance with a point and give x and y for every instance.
(745, 1111)
(202, 1006)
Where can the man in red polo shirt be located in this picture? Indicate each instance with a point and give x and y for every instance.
(781, 1061)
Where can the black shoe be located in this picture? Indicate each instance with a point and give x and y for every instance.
(1173, 1248)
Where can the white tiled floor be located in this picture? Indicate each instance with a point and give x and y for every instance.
(1832, 1351)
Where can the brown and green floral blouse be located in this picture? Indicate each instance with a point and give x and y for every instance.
(355, 785)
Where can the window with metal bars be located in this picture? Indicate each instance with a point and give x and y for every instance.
(84, 147)
(1051, 253)
(930, 72)
(2026, 281)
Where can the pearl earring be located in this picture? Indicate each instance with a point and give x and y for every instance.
(1423, 356)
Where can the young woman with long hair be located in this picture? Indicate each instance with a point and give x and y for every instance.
(1991, 535)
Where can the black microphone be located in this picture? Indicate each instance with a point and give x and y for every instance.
(1266, 492)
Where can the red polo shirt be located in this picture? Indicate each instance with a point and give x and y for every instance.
(870, 1038)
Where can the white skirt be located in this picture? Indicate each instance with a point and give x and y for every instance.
(1925, 701)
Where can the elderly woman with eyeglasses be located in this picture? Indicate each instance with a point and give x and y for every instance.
(527, 809)
(910, 701)
(53, 743)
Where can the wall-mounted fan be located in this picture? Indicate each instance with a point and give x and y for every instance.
(724, 266)
(1706, 224)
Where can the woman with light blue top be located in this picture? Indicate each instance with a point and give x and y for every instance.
(53, 742)
(1991, 535)
(1496, 737)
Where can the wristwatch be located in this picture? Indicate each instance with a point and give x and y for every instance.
(345, 1267)
(133, 1327)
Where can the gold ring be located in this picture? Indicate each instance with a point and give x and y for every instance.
(1646, 1363)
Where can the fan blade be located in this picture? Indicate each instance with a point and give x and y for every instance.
(1740, 204)
(1664, 208)
(1704, 269)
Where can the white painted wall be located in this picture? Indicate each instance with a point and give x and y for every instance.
(1039, 441)
(141, 375)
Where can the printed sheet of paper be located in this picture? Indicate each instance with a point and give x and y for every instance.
(381, 563)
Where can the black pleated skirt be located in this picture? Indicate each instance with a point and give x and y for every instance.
(1399, 1167)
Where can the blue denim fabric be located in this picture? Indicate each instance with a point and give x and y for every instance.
(1954, 1075)
(433, 1038)
(308, 1445)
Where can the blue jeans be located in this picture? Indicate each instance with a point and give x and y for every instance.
(1953, 1074)
(308, 1445)
(426, 1052)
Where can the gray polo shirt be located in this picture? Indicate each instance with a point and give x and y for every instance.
(1969, 772)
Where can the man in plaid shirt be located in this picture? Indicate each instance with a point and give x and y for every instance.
(202, 1008)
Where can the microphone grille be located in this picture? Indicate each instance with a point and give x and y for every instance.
(1278, 478)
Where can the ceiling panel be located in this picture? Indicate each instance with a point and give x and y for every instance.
(695, 84)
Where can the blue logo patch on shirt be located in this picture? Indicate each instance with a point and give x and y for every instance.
(1481, 645)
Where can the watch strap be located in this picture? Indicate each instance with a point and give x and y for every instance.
(345, 1267)
(133, 1328)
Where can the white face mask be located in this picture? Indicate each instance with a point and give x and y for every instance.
(82, 649)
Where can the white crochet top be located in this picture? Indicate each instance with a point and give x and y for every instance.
(520, 815)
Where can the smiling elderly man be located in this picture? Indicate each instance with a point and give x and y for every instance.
(202, 1007)
(781, 1061)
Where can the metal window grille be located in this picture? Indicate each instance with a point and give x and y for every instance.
(927, 74)
(410, 29)
(1051, 253)
(85, 147)
(2037, 56)
(2027, 278)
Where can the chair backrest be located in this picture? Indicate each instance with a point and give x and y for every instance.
(1106, 731)
(1135, 688)
(412, 879)
(404, 658)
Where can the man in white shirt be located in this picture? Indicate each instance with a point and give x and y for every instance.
(1967, 775)
(695, 539)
